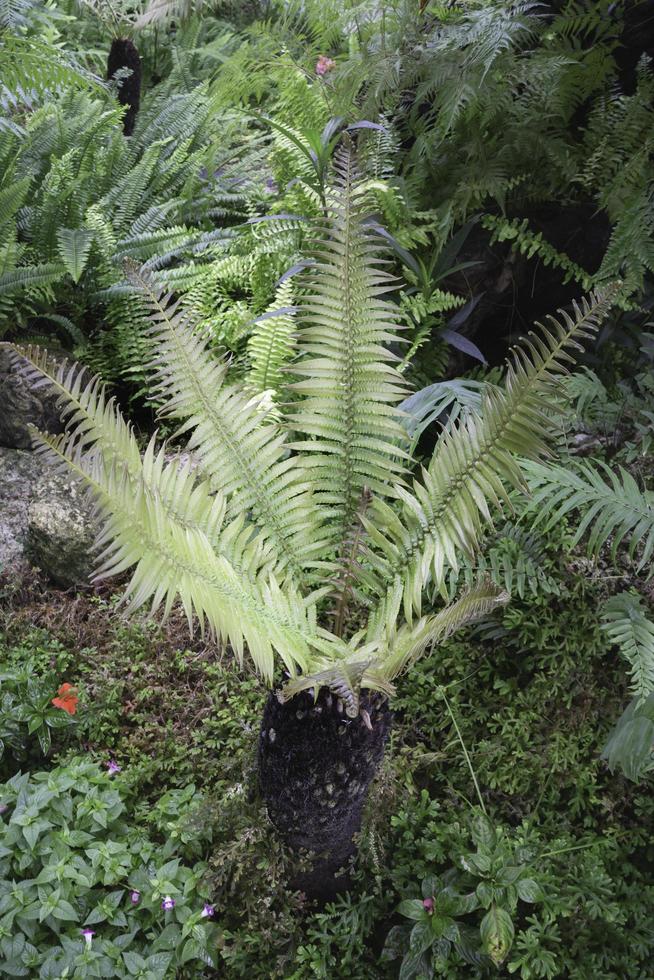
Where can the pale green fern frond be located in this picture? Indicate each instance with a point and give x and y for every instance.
(625, 622)
(350, 387)
(613, 507)
(344, 679)
(403, 647)
(241, 451)
(98, 430)
(474, 464)
(172, 562)
(170, 527)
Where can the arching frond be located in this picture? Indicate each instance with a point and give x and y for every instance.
(474, 464)
(29, 64)
(172, 562)
(612, 505)
(240, 450)
(625, 622)
(99, 431)
(172, 529)
(401, 648)
(350, 386)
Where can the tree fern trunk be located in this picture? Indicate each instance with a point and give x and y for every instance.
(315, 769)
(123, 54)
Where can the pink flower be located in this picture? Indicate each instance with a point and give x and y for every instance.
(324, 64)
(428, 903)
(88, 935)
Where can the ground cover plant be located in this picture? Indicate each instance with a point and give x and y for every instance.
(397, 718)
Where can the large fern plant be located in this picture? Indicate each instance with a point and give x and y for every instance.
(301, 533)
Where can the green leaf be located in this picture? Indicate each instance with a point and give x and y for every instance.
(626, 624)
(31, 835)
(497, 933)
(430, 886)
(65, 911)
(74, 247)
(462, 904)
(133, 962)
(411, 964)
(529, 890)
(44, 739)
(421, 938)
(483, 832)
(412, 908)
(630, 745)
(159, 963)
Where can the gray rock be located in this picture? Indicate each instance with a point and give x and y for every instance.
(19, 473)
(45, 519)
(61, 530)
(21, 404)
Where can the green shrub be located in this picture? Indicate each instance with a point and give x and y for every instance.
(84, 894)
(28, 714)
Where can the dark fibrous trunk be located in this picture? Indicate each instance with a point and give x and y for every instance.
(123, 54)
(315, 769)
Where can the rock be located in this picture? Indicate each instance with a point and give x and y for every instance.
(21, 404)
(44, 519)
(19, 472)
(61, 530)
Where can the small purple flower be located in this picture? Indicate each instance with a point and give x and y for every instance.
(3, 807)
(112, 767)
(207, 911)
(271, 186)
(135, 897)
(88, 935)
(428, 903)
(168, 903)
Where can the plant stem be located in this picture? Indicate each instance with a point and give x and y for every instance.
(465, 752)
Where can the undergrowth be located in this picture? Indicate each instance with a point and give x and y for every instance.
(533, 702)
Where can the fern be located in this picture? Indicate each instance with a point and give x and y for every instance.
(473, 463)
(15, 13)
(32, 277)
(351, 387)
(531, 244)
(272, 344)
(625, 622)
(29, 64)
(611, 504)
(74, 247)
(242, 453)
(512, 558)
(268, 538)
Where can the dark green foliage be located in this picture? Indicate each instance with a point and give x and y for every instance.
(534, 704)
(514, 167)
(71, 861)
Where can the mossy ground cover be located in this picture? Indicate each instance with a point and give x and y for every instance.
(533, 700)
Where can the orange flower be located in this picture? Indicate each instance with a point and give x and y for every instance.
(67, 698)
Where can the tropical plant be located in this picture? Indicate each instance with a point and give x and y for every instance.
(496, 877)
(84, 893)
(300, 533)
